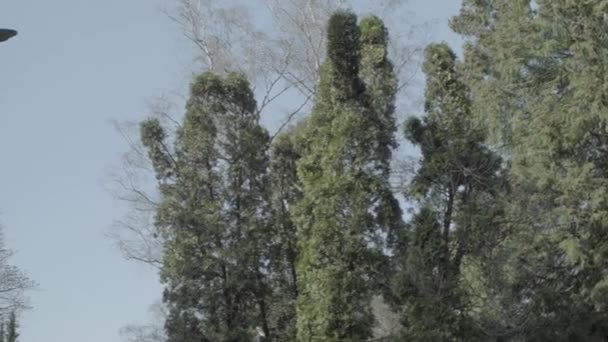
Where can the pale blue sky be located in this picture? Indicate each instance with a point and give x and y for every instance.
(75, 65)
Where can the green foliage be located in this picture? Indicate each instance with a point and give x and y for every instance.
(456, 175)
(346, 204)
(214, 214)
(284, 194)
(509, 241)
(376, 71)
(343, 50)
(536, 70)
(431, 308)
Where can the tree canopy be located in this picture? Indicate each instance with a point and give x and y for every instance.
(301, 237)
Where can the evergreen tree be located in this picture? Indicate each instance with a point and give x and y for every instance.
(284, 194)
(343, 174)
(377, 73)
(289, 240)
(214, 214)
(456, 176)
(537, 71)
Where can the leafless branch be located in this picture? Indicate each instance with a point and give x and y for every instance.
(14, 283)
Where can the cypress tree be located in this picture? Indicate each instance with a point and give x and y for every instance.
(377, 73)
(343, 174)
(214, 214)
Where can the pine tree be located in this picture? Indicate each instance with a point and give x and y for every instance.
(456, 176)
(343, 174)
(214, 214)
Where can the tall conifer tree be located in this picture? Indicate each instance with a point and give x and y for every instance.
(285, 193)
(343, 171)
(537, 70)
(456, 176)
(214, 214)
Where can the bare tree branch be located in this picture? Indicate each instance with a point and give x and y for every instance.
(152, 331)
(14, 283)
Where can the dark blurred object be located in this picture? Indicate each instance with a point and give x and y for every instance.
(6, 34)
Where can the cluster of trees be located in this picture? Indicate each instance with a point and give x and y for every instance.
(293, 236)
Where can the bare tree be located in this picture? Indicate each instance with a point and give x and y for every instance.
(280, 44)
(130, 183)
(14, 283)
(150, 332)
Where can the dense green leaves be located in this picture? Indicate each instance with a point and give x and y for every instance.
(292, 239)
(346, 201)
(457, 172)
(215, 214)
(537, 74)
(284, 194)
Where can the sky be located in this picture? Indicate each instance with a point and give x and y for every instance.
(75, 66)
